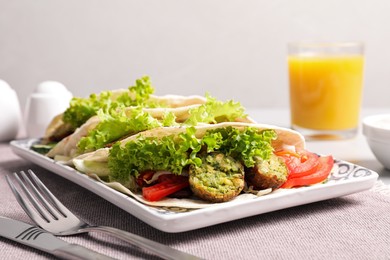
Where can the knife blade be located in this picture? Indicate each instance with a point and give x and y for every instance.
(40, 239)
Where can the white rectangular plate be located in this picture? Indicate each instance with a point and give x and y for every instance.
(346, 178)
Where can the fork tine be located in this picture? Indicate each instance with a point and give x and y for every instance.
(37, 218)
(39, 196)
(55, 202)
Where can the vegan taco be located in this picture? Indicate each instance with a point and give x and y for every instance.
(139, 95)
(106, 128)
(195, 166)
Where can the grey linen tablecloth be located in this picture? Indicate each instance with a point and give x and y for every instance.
(351, 227)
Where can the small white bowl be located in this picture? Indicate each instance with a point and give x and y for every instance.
(376, 128)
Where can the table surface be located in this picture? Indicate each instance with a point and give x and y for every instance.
(356, 226)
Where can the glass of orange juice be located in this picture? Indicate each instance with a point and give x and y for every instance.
(326, 82)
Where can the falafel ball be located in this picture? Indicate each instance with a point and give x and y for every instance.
(267, 174)
(220, 178)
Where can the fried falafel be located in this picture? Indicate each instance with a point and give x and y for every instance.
(267, 174)
(220, 178)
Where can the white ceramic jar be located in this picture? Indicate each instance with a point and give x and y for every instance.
(10, 113)
(49, 99)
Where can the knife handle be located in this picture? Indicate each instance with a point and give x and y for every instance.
(77, 252)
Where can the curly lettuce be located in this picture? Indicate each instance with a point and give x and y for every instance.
(119, 124)
(138, 95)
(215, 111)
(176, 152)
(116, 125)
(81, 109)
(242, 145)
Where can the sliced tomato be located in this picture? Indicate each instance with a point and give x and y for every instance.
(300, 163)
(322, 172)
(167, 186)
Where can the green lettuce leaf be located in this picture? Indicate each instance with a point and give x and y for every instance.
(242, 145)
(175, 153)
(116, 125)
(138, 95)
(215, 111)
(81, 109)
(169, 119)
(168, 153)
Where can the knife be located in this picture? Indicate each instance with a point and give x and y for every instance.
(40, 239)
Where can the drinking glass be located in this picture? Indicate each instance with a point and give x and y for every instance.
(326, 82)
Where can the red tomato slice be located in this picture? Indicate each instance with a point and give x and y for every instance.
(323, 170)
(300, 164)
(168, 186)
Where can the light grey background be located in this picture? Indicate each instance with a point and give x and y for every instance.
(230, 48)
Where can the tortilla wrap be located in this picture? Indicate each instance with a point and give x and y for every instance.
(96, 163)
(58, 129)
(67, 147)
(285, 136)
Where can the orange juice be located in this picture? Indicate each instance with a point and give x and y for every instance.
(325, 91)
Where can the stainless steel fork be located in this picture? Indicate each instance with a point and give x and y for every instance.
(53, 216)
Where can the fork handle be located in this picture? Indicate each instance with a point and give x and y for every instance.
(159, 249)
